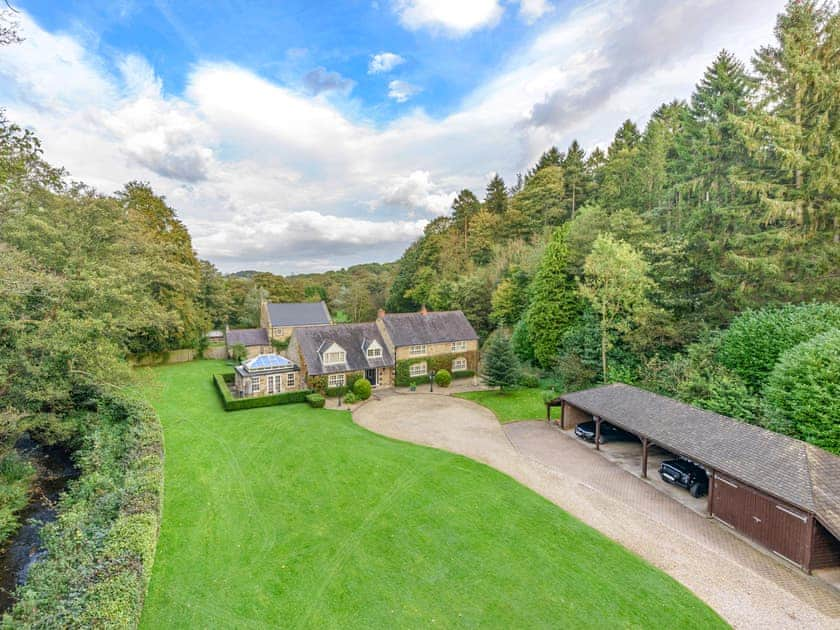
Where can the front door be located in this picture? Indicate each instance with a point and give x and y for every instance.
(371, 376)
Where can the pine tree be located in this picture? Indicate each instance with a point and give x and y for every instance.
(496, 199)
(465, 206)
(552, 157)
(499, 366)
(576, 176)
(553, 305)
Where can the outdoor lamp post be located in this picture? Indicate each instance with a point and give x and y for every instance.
(432, 381)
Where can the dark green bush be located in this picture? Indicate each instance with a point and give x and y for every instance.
(443, 378)
(335, 392)
(350, 398)
(231, 403)
(16, 475)
(463, 374)
(803, 392)
(101, 548)
(529, 380)
(315, 401)
(755, 340)
(362, 389)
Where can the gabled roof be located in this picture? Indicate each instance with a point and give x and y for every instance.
(789, 469)
(298, 313)
(408, 329)
(312, 340)
(247, 337)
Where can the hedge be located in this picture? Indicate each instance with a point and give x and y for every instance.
(231, 403)
(436, 362)
(463, 374)
(316, 401)
(101, 547)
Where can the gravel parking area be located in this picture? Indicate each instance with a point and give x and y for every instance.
(746, 586)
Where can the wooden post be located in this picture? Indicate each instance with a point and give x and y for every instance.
(548, 412)
(644, 457)
(562, 414)
(597, 433)
(712, 494)
(809, 544)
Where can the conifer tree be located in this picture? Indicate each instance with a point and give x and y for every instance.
(496, 199)
(576, 177)
(499, 366)
(553, 305)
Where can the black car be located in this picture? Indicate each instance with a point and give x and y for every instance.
(681, 472)
(609, 433)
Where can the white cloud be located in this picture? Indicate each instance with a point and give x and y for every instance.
(453, 17)
(269, 177)
(384, 62)
(532, 10)
(401, 91)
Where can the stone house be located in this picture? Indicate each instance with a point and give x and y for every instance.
(396, 349)
(281, 319)
(255, 340)
(336, 351)
(266, 374)
(429, 341)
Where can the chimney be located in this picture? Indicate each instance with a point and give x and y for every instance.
(380, 314)
(423, 310)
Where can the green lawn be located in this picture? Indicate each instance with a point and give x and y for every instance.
(517, 404)
(289, 516)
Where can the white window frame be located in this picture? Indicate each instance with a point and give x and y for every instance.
(336, 380)
(374, 352)
(290, 379)
(417, 350)
(459, 364)
(459, 346)
(272, 384)
(414, 372)
(332, 358)
(255, 384)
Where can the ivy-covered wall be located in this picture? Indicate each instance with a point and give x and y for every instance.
(433, 363)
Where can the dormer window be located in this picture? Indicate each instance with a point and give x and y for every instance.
(374, 351)
(333, 355)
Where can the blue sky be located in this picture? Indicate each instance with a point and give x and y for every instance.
(299, 136)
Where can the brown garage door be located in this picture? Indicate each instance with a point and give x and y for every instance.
(776, 525)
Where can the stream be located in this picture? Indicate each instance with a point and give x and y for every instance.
(54, 469)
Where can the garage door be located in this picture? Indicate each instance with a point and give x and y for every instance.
(776, 525)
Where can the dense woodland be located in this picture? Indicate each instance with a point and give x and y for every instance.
(697, 256)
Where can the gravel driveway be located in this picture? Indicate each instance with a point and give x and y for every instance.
(747, 587)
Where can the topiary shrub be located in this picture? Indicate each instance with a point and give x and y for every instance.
(316, 401)
(755, 340)
(443, 378)
(362, 388)
(803, 392)
(350, 398)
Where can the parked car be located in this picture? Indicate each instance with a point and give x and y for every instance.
(681, 472)
(609, 433)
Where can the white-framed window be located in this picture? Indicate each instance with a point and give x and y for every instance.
(417, 369)
(338, 356)
(459, 364)
(459, 346)
(336, 380)
(418, 349)
(290, 379)
(374, 352)
(273, 383)
(255, 384)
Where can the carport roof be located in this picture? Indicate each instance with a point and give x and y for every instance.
(791, 470)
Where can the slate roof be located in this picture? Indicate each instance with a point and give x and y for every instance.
(408, 329)
(789, 469)
(247, 337)
(353, 338)
(298, 313)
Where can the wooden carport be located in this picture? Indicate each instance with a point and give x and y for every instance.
(780, 492)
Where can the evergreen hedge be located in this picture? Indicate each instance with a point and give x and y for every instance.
(803, 392)
(101, 548)
(436, 363)
(316, 401)
(231, 403)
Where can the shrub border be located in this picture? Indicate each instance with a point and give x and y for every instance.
(253, 402)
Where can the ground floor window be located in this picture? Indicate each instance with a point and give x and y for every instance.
(336, 380)
(255, 385)
(273, 383)
(417, 369)
(290, 379)
(459, 364)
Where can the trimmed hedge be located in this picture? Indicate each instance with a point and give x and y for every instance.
(463, 374)
(362, 389)
(436, 362)
(230, 403)
(101, 548)
(316, 401)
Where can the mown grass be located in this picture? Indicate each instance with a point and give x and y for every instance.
(510, 406)
(295, 517)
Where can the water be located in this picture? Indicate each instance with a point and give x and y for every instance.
(55, 469)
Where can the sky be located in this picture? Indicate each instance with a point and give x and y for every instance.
(297, 136)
